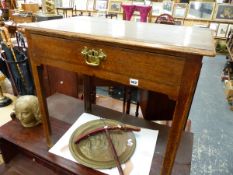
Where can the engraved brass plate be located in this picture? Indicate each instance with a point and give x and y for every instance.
(95, 152)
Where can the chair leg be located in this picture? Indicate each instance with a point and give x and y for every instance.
(137, 109)
(137, 104)
(124, 100)
(128, 100)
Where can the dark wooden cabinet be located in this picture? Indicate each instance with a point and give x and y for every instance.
(156, 106)
(58, 80)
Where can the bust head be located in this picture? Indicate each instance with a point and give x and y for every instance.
(27, 110)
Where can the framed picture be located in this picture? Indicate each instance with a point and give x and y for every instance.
(157, 8)
(114, 6)
(230, 26)
(148, 2)
(222, 30)
(224, 12)
(127, 2)
(229, 36)
(101, 5)
(200, 10)
(214, 28)
(138, 2)
(168, 7)
(81, 4)
(90, 4)
(180, 10)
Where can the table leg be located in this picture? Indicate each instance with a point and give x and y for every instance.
(37, 72)
(187, 89)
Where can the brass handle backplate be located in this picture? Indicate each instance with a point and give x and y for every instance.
(93, 57)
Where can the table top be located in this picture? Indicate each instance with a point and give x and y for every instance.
(183, 39)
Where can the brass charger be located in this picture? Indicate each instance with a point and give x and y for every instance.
(94, 151)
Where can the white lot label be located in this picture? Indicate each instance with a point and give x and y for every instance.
(133, 82)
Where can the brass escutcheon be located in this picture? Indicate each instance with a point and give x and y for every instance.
(93, 57)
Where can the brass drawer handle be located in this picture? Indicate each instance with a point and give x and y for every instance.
(93, 57)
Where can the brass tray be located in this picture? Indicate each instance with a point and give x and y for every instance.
(94, 151)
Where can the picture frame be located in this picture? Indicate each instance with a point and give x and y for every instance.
(230, 26)
(229, 37)
(127, 2)
(224, 12)
(222, 30)
(229, 40)
(90, 5)
(114, 6)
(138, 2)
(180, 10)
(200, 10)
(101, 5)
(214, 28)
(148, 2)
(157, 8)
(81, 4)
(168, 7)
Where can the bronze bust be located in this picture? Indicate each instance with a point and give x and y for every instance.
(27, 110)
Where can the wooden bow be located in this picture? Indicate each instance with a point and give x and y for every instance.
(125, 128)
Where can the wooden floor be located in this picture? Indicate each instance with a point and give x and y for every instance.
(117, 105)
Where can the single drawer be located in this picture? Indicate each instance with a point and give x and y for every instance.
(121, 64)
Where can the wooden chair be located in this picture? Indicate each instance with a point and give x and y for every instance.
(111, 15)
(165, 19)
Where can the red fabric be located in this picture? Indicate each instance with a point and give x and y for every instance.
(3, 2)
(144, 11)
(130, 9)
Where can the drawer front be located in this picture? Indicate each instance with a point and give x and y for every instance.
(120, 64)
